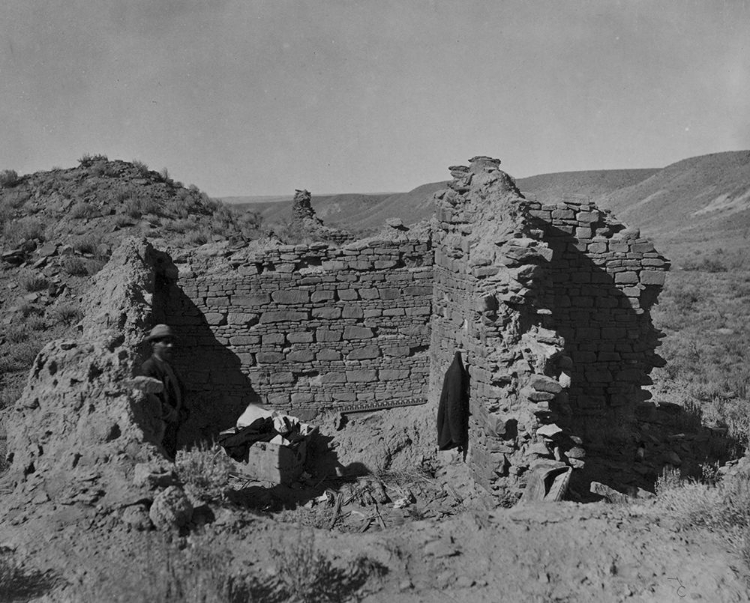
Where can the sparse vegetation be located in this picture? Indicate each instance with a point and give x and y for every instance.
(8, 178)
(722, 506)
(66, 313)
(87, 160)
(74, 266)
(18, 583)
(32, 281)
(308, 576)
(196, 571)
(83, 209)
(205, 469)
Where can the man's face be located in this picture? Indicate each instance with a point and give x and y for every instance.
(163, 348)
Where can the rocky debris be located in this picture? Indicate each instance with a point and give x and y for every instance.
(171, 509)
(137, 516)
(306, 219)
(154, 475)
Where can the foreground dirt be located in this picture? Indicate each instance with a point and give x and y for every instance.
(542, 552)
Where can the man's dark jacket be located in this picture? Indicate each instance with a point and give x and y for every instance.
(173, 392)
(453, 410)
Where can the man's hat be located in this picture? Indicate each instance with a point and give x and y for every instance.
(160, 332)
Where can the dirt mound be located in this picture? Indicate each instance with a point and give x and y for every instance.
(83, 422)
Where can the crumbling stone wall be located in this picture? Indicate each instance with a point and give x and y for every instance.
(305, 327)
(549, 307)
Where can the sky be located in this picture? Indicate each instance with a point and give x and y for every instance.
(259, 97)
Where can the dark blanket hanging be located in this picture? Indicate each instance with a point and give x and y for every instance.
(453, 411)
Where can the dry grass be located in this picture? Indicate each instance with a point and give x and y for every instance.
(205, 470)
(31, 281)
(722, 506)
(193, 571)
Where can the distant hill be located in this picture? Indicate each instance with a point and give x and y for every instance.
(702, 202)
(594, 183)
(698, 203)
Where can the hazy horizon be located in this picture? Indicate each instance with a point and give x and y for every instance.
(257, 99)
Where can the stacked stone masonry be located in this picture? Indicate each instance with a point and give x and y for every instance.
(548, 305)
(308, 327)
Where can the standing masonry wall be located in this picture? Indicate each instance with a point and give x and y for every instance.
(605, 278)
(548, 306)
(305, 327)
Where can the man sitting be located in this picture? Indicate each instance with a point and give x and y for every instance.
(174, 412)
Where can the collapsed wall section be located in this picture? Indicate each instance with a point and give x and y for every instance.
(549, 307)
(305, 327)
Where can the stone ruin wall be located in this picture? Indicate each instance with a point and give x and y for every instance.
(304, 328)
(548, 305)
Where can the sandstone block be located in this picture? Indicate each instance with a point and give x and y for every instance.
(215, 319)
(137, 517)
(255, 299)
(626, 278)
(653, 277)
(319, 296)
(300, 337)
(291, 296)
(328, 354)
(171, 509)
(154, 475)
(350, 311)
(327, 335)
(543, 383)
(390, 293)
(393, 374)
(356, 332)
(327, 313)
(365, 353)
(347, 294)
(300, 356)
(283, 316)
(269, 357)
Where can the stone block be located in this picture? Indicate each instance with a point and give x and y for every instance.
(328, 355)
(354, 332)
(254, 299)
(321, 296)
(361, 376)
(269, 357)
(283, 316)
(393, 374)
(270, 339)
(327, 312)
(653, 277)
(399, 351)
(300, 337)
(171, 509)
(543, 383)
(364, 353)
(368, 293)
(626, 278)
(390, 293)
(291, 296)
(300, 356)
(215, 319)
(278, 377)
(351, 311)
(347, 294)
(302, 398)
(327, 335)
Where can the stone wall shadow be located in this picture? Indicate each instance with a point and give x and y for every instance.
(612, 344)
(218, 391)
